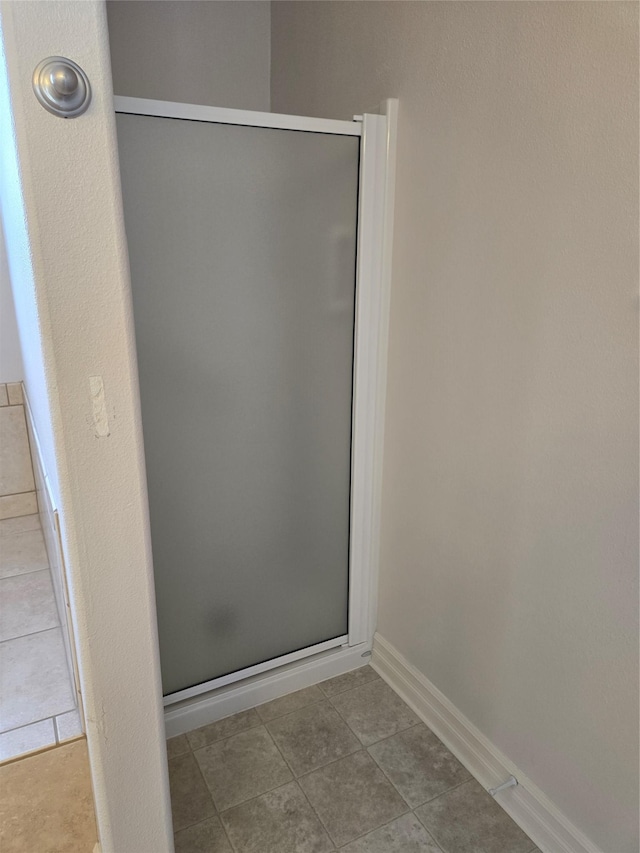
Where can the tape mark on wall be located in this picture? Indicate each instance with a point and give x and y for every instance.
(99, 408)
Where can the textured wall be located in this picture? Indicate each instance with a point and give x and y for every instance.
(197, 52)
(62, 212)
(510, 516)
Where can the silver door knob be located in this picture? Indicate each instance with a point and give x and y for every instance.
(61, 86)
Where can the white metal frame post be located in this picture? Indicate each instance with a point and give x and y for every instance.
(229, 694)
(366, 396)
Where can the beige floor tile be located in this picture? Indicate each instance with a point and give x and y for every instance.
(27, 739)
(281, 821)
(27, 605)
(10, 526)
(12, 506)
(208, 836)
(468, 820)
(418, 764)
(16, 473)
(46, 804)
(288, 704)
(312, 737)
(190, 798)
(352, 797)
(223, 728)
(22, 552)
(241, 767)
(34, 679)
(14, 393)
(4, 397)
(404, 835)
(355, 678)
(68, 725)
(374, 711)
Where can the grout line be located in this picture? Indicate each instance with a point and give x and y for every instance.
(442, 793)
(39, 751)
(32, 634)
(329, 763)
(428, 831)
(6, 534)
(301, 789)
(28, 572)
(387, 823)
(204, 820)
(31, 723)
(286, 695)
(389, 780)
(55, 728)
(227, 836)
(294, 780)
(255, 797)
(207, 788)
(349, 689)
(219, 811)
(282, 755)
(395, 734)
(401, 732)
(32, 572)
(39, 720)
(329, 836)
(219, 740)
(281, 785)
(31, 449)
(346, 723)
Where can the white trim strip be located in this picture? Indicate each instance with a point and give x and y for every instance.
(368, 400)
(222, 115)
(529, 807)
(258, 668)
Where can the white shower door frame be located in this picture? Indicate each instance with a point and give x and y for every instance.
(375, 212)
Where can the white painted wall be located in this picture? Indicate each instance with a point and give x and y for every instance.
(71, 286)
(510, 507)
(11, 369)
(198, 52)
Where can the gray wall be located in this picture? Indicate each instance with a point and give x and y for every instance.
(509, 537)
(213, 53)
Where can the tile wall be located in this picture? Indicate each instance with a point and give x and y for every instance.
(17, 485)
(39, 698)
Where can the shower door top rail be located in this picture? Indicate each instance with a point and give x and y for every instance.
(223, 115)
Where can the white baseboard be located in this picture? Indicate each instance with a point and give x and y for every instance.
(529, 807)
(209, 707)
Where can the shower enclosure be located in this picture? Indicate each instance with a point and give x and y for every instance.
(255, 247)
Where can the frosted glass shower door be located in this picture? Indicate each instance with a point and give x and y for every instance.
(242, 245)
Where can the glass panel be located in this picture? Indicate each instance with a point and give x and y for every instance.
(242, 247)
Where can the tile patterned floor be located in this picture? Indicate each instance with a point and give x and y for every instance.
(47, 802)
(344, 765)
(37, 702)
